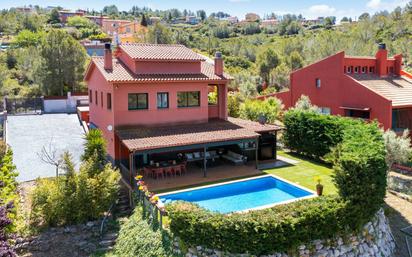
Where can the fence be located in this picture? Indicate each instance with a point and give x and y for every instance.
(64, 104)
(151, 207)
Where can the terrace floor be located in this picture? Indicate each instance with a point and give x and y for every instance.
(195, 177)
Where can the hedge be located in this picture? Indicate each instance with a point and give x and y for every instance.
(312, 134)
(358, 157)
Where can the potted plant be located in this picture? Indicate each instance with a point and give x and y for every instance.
(319, 186)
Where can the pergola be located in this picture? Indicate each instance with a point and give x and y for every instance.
(164, 139)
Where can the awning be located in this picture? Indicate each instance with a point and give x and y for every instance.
(214, 132)
(366, 109)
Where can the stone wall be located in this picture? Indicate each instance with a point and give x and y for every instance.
(400, 183)
(376, 240)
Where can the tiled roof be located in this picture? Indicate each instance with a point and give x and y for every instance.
(150, 138)
(161, 52)
(396, 89)
(121, 73)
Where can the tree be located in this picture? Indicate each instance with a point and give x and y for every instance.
(143, 21)
(304, 104)
(62, 65)
(266, 61)
(201, 14)
(54, 17)
(159, 34)
(80, 22)
(295, 60)
(344, 19)
(364, 16)
(95, 147)
(398, 148)
(279, 77)
(268, 109)
(111, 10)
(49, 155)
(27, 38)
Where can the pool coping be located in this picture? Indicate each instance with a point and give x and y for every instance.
(313, 193)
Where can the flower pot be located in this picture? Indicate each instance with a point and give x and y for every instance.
(319, 189)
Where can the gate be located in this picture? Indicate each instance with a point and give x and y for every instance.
(33, 105)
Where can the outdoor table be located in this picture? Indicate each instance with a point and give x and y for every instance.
(408, 235)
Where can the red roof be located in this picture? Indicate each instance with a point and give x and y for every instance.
(121, 73)
(150, 138)
(162, 52)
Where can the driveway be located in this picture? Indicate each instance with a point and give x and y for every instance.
(28, 134)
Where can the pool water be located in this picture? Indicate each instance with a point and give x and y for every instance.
(242, 195)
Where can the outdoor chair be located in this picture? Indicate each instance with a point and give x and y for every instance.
(158, 172)
(147, 172)
(169, 171)
(183, 168)
(235, 158)
(177, 170)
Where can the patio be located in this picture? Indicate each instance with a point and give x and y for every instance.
(195, 176)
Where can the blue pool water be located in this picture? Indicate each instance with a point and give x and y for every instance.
(241, 195)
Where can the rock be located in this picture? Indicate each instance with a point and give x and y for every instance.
(90, 224)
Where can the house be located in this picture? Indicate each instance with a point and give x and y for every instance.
(97, 19)
(233, 19)
(357, 86)
(193, 20)
(252, 17)
(64, 15)
(269, 23)
(110, 26)
(151, 102)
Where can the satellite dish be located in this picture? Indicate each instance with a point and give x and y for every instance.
(110, 128)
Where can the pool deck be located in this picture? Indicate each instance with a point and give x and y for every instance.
(195, 177)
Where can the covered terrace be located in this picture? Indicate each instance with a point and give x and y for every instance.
(190, 150)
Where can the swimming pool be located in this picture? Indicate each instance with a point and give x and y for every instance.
(241, 195)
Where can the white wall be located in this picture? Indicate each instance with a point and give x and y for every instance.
(63, 105)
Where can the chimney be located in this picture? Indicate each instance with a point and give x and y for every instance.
(218, 64)
(108, 59)
(382, 60)
(398, 64)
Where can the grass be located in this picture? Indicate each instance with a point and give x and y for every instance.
(305, 172)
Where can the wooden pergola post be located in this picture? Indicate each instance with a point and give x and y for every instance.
(204, 162)
(257, 153)
(131, 168)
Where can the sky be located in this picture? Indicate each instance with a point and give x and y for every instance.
(308, 8)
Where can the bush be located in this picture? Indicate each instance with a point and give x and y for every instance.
(360, 169)
(74, 197)
(278, 229)
(269, 109)
(138, 238)
(312, 134)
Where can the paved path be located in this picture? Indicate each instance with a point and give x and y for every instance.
(399, 212)
(27, 134)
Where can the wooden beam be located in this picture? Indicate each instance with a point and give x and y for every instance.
(257, 153)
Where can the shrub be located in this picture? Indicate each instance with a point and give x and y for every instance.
(360, 169)
(398, 148)
(277, 229)
(312, 134)
(138, 238)
(95, 144)
(74, 197)
(269, 108)
(5, 221)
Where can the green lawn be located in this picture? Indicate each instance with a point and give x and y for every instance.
(304, 173)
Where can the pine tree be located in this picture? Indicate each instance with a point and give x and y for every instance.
(143, 22)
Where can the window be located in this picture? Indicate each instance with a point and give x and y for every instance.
(90, 96)
(349, 70)
(188, 99)
(356, 69)
(371, 69)
(364, 69)
(101, 98)
(95, 97)
(324, 110)
(162, 100)
(138, 101)
(318, 83)
(212, 95)
(109, 101)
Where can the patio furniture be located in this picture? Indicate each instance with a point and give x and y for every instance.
(177, 170)
(169, 171)
(158, 172)
(147, 172)
(183, 168)
(235, 158)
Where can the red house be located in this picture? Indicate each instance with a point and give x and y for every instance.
(152, 103)
(363, 87)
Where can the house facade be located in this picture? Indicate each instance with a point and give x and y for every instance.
(154, 100)
(374, 88)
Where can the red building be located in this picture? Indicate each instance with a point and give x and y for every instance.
(363, 87)
(152, 103)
